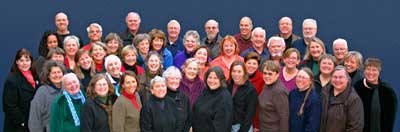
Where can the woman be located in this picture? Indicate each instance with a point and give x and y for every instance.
(342, 108)
(71, 46)
(85, 68)
(304, 104)
(315, 49)
(153, 68)
(191, 41)
(98, 52)
(326, 67)
(128, 57)
(353, 61)
(97, 110)
(39, 114)
(159, 113)
(273, 101)
(173, 77)
(244, 98)
(66, 108)
(126, 110)
(213, 110)
(49, 40)
(19, 90)
(113, 71)
(229, 50)
(142, 43)
(114, 44)
(158, 44)
(56, 54)
(191, 84)
(379, 99)
(202, 54)
(291, 58)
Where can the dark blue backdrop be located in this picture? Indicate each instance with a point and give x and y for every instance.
(370, 26)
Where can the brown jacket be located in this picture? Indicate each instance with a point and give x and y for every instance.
(125, 116)
(345, 113)
(274, 108)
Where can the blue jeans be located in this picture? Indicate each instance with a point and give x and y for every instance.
(236, 127)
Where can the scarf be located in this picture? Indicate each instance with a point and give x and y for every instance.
(68, 96)
(106, 104)
(29, 77)
(375, 113)
(132, 98)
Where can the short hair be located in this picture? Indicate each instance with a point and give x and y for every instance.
(68, 75)
(44, 76)
(339, 40)
(172, 70)
(114, 36)
(358, 56)
(195, 35)
(373, 62)
(98, 43)
(228, 38)
(307, 55)
(156, 33)
(310, 21)
(207, 50)
(220, 75)
(91, 92)
(239, 63)
(340, 68)
(212, 21)
(60, 13)
(126, 74)
(110, 58)
(259, 29)
(71, 37)
(172, 22)
(152, 53)
(155, 80)
(56, 50)
(285, 17)
(94, 25)
(139, 38)
(252, 55)
(289, 51)
(271, 66)
(247, 17)
(327, 56)
(276, 38)
(126, 50)
(189, 61)
(132, 13)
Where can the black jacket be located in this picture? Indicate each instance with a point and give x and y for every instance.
(17, 96)
(244, 105)
(184, 116)
(212, 112)
(154, 118)
(94, 117)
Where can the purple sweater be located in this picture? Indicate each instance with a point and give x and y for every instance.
(192, 88)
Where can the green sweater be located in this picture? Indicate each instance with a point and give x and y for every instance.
(60, 118)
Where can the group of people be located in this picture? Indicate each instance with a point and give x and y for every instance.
(137, 81)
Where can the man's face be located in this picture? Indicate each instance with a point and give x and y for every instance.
(61, 21)
(340, 50)
(211, 29)
(132, 22)
(276, 48)
(285, 26)
(173, 30)
(94, 34)
(309, 30)
(245, 27)
(258, 39)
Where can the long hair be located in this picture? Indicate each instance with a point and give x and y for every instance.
(91, 93)
(310, 74)
(43, 49)
(220, 74)
(23, 53)
(245, 76)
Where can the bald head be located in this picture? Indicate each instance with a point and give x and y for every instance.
(212, 29)
(61, 21)
(133, 22)
(245, 27)
(285, 27)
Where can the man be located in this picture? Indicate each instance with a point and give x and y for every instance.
(244, 37)
(213, 38)
(95, 31)
(286, 32)
(276, 46)
(258, 38)
(309, 31)
(132, 21)
(174, 42)
(340, 50)
(62, 22)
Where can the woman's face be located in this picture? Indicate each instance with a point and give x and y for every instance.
(143, 46)
(351, 64)
(159, 89)
(154, 63)
(71, 47)
(173, 81)
(85, 61)
(339, 80)
(130, 84)
(191, 70)
(292, 60)
(58, 57)
(270, 77)
(251, 66)
(316, 50)
(52, 41)
(228, 48)
(101, 87)
(237, 74)
(213, 81)
(130, 58)
(326, 66)
(372, 73)
(112, 46)
(190, 43)
(201, 55)
(114, 68)
(157, 44)
(24, 63)
(303, 80)
(55, 75)
(98, 53)
(72, 85)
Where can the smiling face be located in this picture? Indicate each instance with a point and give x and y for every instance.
(94, 34)
(173, 81)
(144, 46)
(173, 30)
(309, 30)
(285, 26)
(114, 68)
(71, 84)
(98, 53)
(251, 66)
(339, 80)
(61, 21)
(351, 64)
(245, 27)
(71, 47)
(190, 43)
(238, 74)
(213, 82)
(371, 74)
(303, 80)
(55, 75)
(211, 29)
(258, 39)
(130, 84)
(130, 58)
(57, 57)
(201, 55)
(228, 48)
(292, 60)
(159, 89)
(316, 50)
(326, 66)
(275, 48)
(132, 21)
(191, 70)
(154, 64)
(157, 44)
(340, 50)
(270, 77)
(52, 41)
(85, 61)
(101, 87)
(112, 46)
(24, 63)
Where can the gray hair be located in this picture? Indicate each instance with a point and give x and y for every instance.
(173, 22)
(276, 38)
(155, 80)
(110, 58)
(68, 75)
(133, 13)
(172, 70)
(193, 33)
(246, 17)
(310, 21)
(340, 68)
(94, 25)
(258, 29)
(285, 18)
(71, 37)
(339, 40)
(139, 38)
(357, 55)
(212, 21)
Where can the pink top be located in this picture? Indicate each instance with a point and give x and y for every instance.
(225, 67)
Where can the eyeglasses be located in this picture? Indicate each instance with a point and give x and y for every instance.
(269, 73)
(302, 77)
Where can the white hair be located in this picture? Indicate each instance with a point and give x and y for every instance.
(110, 58)
(258, 29)
(66, 76)
(276, 38)
(173, 22)
(71, 37)
(212, 21)
(313, 22)
(285, 18)
(340, 40)
(156, 79)
(94, 25)
(133, 13)
(172, 70)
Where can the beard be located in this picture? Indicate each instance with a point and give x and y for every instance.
(276, 55)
